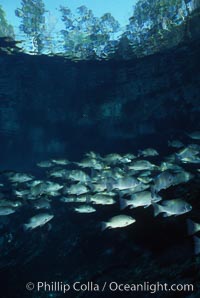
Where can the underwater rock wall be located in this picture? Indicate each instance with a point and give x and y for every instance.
(53, 107)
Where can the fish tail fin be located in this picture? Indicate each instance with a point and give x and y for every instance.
(87, 199)
(91, 185)
(196, 245)
(190, 227)
(94, 172)
(153, 191)
(49, 226)
(103, 226)
(26, 227)
(109, 186)
(123, 203)
(166, 214)
(156, 199)
(177, 159)
(119, 193)
(157, 209)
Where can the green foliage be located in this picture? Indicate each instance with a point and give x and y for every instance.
(157, 24)
(6, 30)
(32, 20)
(86, 35)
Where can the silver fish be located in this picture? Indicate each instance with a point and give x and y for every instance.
(182, 177)
(102, 199)
(38, 220)
(46, 187)
(175, 144)
(85, 209)
(78, 175)
(112, 158)
(192, 159)
(165, 166)
(148, 152)
(45, 164)
(20, 177)
(61, 173)
(141, 165)
(140, 187)
(5, 210)
(118, 221)
(122, 183)
(187, 153)
(192, 227)
(172, 207)
(42, 204)
(162, 181)
(33, 183)
(21, 193)
(61, 162)
(194, 135)
(8, 203)
(90, 163)
(77, 189)
(139, 199)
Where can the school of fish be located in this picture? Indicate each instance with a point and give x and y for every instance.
(129, 181)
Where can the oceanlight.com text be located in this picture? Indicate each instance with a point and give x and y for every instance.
(113, 286)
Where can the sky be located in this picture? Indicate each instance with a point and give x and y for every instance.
(120, 9)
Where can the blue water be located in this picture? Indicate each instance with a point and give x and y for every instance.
(53, 107)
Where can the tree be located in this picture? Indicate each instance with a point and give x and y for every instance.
(85, 35)
(157, 24)
(32, 14)
(6, 30)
